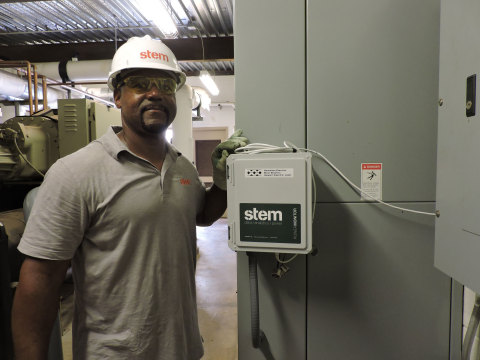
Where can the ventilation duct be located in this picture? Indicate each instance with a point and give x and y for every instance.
(14, 86)
(76, 71)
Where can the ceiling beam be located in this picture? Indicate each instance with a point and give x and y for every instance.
(189, 49)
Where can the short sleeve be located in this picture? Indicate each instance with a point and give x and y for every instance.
(59, 217)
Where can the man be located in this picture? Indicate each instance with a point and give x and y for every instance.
(123, 210)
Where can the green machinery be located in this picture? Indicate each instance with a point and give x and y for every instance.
(29, 145)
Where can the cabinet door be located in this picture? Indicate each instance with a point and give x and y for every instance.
(373, 292)
(270, 108)
(372, 94)
(270, 70)
(457, 232)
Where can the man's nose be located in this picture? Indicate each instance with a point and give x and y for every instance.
(153, 92)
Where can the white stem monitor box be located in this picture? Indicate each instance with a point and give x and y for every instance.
(270, 202)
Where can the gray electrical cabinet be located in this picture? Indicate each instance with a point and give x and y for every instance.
(81, 121)
(358, 82)
(457, 236)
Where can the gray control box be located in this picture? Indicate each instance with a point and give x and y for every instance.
(270, 202)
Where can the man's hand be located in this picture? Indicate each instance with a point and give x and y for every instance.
(220, 154)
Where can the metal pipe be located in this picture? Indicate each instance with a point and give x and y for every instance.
(71, 88)
(35, 85)
(78, 83)
(30, 100)
(44, 92)
(13, 63)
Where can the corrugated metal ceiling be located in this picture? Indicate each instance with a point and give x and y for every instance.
(98, 21)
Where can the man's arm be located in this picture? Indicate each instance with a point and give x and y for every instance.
(216, 196)
(35, 306)
(214, 207)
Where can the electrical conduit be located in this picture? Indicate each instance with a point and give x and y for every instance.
(257, 334)
(471, 330)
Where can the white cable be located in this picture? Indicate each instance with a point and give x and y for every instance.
(25, 158)
(363, 192)
(256, 148)
(20, 152)
(277, 256)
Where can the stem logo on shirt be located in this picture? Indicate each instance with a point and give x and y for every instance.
(184, 181)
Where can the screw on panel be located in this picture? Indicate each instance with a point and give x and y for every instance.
(440, 102)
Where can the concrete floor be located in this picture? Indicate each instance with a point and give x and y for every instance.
(216, 296)
(217, 292)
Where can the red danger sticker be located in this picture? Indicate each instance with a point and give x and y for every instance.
(371, 166)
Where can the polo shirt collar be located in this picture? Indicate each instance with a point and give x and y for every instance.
(114, 146)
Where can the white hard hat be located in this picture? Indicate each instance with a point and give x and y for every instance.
(144, 53)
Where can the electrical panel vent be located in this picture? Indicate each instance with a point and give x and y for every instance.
(70, 119)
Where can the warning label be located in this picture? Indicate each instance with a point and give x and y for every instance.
(371, 181)
(273, 172)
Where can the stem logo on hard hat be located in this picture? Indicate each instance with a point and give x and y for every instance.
(153, 55)
(144, 53)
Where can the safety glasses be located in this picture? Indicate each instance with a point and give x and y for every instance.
(142, 84)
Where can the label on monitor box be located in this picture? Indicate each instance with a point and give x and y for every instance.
(270, 223)
(269, 172)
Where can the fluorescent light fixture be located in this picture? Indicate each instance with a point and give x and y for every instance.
(155, 11)
(209, 83)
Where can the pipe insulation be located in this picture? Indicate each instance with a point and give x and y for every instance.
(182, 126)
(15, 86)
(76, 71)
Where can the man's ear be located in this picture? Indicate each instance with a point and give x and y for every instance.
(116, 96)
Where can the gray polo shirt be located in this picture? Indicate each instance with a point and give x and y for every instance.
(130, 232)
